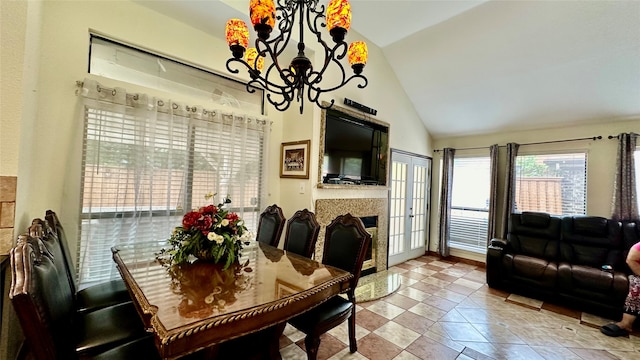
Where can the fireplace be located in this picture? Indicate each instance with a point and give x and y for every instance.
(371, 225)
(374, 214)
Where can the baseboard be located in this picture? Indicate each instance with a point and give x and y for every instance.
(452, 258)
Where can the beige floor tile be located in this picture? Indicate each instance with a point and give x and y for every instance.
(386, 310)
(414, 294)
(397, 334)
(405, 355)
(525, 300)
(445, 310)
(462, 332)
(427, 311)
(293, 352)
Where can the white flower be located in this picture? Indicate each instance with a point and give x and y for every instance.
(225, 222)
(208, 299)
(219, 239)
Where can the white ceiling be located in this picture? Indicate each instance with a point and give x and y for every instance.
(472, 67)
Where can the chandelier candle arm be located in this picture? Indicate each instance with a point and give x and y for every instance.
(284, 84)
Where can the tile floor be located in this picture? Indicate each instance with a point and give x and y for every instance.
(445, 310)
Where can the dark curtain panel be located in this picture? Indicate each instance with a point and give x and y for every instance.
(509, 187)
(493, 193)
(445, 201)
(625, 198)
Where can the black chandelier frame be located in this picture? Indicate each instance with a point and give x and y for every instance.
(300, 74)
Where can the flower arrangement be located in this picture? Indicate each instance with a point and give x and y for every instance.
(211, 233)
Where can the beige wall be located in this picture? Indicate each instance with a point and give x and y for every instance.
(51, 138)
(601, 161)
(13, 17)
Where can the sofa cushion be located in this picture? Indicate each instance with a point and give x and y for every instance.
(600, 247)
(592, 284)
(534, 234)
(590, 226)
(523, 268)
(535, 219)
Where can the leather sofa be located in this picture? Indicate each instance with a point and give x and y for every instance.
(575, 261)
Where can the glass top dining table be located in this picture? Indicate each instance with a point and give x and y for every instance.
(195, 306)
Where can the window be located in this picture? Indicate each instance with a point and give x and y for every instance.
(147, 161)
(470, 203)
(552, 183)
(124, 63)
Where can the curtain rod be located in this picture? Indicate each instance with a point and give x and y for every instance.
(534, 143)
(618, 136)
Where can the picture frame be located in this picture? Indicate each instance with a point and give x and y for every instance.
(294, 159)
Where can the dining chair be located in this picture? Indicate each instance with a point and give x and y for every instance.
(53, 329)
(302, 233)
(97, 296)
(270, 225)
(345, 246)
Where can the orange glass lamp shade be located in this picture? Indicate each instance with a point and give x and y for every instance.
(358, 54)
(255, 62)
(263, 17)
(338, 19)
(237, 37)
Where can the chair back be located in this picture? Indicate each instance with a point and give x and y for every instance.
(591, 241)
(302, 233)
(50, 237)
(54, 222)
(271, 225)
(345, 246)
(534, 234)
(41, 300)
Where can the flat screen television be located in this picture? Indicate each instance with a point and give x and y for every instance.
(355, 150)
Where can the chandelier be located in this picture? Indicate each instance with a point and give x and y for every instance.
(283, 84)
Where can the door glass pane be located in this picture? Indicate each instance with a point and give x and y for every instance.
(397, 208)
(418, 222)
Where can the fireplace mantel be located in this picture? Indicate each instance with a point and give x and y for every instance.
(328, 209)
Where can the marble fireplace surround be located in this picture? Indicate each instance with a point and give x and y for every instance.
(328, 209)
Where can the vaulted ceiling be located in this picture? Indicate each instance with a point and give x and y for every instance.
(472, 67)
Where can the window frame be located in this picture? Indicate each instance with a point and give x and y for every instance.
(559, 152)
(481, 237)
(172, 214)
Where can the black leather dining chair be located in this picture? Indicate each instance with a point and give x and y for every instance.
(94, 297)
(302, 233)
(270, 225)
(53, 329)
(345, 245)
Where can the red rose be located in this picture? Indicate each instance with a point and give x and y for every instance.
(210, 209)
(204, 223)
(189, 220)
(232, 217)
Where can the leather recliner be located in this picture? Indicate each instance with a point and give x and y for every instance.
(589, 246)
(527, 261)
(565, 261)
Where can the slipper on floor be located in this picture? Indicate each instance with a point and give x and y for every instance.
(613, 330)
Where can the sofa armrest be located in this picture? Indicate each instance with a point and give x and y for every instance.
(500, 243)
(495, 252)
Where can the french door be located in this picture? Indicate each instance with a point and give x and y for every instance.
(408, 206)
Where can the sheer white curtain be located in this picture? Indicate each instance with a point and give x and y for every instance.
(147, 160)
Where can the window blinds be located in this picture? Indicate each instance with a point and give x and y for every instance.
(147, 162)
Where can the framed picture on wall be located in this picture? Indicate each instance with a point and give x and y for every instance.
(294, 159)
